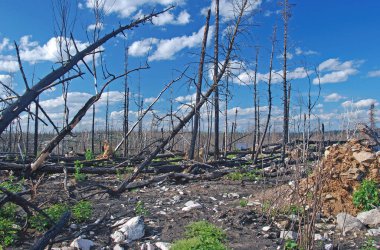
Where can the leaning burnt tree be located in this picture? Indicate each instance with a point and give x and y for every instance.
(13, 110)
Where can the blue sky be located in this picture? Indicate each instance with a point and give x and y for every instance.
(339, 39)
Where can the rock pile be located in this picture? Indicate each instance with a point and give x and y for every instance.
(340, 173)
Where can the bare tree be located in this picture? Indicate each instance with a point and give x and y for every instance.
(199, 90)
(14, 109)
(269, 96)
(216, 91)
(126, 105)
(372, 119)
(256, 107)
(285, 17)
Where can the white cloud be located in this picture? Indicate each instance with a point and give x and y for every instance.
(375, 73)
(98, 26)
(364, 103)
(8, 65)
(168, 18)
(5, 79)
(334, 97)
(186, 98)
(288, 56)
(32, 52)
(227, 8)
(150, 100)
(277, 76)
(337, 71)
(167, 48)
(125, 8)
(4, 44)
(141, 48)
(299, 51)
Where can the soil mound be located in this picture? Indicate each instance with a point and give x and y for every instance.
(340, 173)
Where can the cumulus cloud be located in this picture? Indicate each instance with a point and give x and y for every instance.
(375, 73)
(336, 71)
(334, 97)
(32, 52)
(299, 51)
(364, 103)
(125, 8)
(6, 79)
(186, 98)
(141, 48)
(227, 8)
(165, 49)
(4, 44)
(246, 77)
(169, 18)
(98, 26)
(8, 64)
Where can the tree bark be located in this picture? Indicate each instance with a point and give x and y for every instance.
(216, 93)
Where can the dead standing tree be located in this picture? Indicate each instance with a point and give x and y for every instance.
(199, 90)
(216, 91)
(231, 41)
(13, 110)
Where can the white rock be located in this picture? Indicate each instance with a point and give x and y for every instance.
(233, 195)
(147, 246)
(266, 228)
(191, 205)
(288, 235)
(329, 246)
(82, 244)
(371, 217)
(118, 247)
(347, 222)
(133, 229)
(374, 232)
(163, 245)
(74, 226)
(318, 237)
(118, 237)
(213, 198)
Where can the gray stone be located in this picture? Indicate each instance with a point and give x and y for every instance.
(371, 217)
(163, 245)
(318, 237)
(133, 229)
(73, 226)
(118, 247)
(82, 244)
(347, 222)
(329, 246)
(288, 235)
(266, 228)
(191, 205)
(374, 232)
(118, 237)
(147, 246)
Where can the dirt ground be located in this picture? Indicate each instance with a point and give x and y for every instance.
(165, 220)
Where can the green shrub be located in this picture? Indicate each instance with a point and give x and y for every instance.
(82, 211)
(89, 155)
(235, 176)
(201, 235)
(238, 176)
(369, 244)
(7, 232)
(243, 202)
(290, 245)
(55, 212)
(140, 208)
(78, 175)
(367, 195)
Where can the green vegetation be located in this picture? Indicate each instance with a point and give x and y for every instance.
(40, 223)
(238, 176)
(82, 211)
(8, 212)
(78, 175)
(243, 202)
(231, 156)
(140, 208)
(293, 209)
(201, 235)
(89, 155)
(369, 245)
(290, 245)
(367, 195)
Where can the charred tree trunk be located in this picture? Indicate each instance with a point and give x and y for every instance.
(255, 126)
(216, 93)
(199, 90)
(35, 148)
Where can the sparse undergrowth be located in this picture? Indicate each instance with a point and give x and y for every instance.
(367, 195)
(201, 235)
